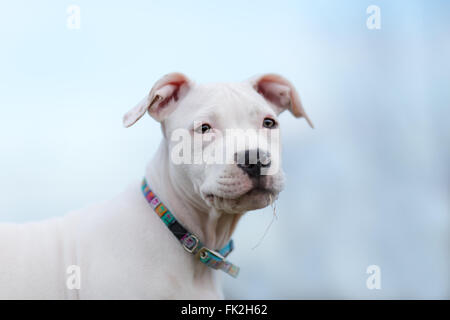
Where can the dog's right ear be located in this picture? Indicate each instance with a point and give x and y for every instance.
(281, 93)
(161, 100)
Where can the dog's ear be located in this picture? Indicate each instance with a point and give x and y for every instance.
(281, 93)
(161, 100)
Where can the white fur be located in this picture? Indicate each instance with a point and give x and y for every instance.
(121, 246)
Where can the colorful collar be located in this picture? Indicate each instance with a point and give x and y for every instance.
(189, 241)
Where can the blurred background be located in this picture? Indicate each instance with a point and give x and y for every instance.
(368, 186)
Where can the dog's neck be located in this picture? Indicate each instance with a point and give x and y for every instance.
(213, 227)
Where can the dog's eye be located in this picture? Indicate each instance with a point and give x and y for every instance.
(205, 128)
(269, 123)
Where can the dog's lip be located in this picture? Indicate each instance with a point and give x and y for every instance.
(254, 190)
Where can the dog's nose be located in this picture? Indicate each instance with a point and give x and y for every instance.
(251, 161)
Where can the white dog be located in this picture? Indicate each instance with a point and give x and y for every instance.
(131, 247)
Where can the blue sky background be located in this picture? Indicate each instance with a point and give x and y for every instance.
(369, 185)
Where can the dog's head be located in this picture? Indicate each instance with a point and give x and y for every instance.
(223, 139)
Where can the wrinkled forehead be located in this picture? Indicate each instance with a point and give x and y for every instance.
(222, 105)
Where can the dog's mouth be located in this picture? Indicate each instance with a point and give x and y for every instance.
(251, 192)
(255, 198)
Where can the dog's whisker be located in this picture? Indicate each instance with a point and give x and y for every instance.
(274, 216)
(274, 206)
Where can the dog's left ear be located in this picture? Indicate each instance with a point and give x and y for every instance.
(281, 93)
(161, 100)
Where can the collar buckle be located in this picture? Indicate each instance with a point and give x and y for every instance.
(211, 258)
(190, 243)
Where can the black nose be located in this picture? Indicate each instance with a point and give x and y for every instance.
(251, 161)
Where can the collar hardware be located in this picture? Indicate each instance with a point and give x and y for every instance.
(206, 255)
(189, 241)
